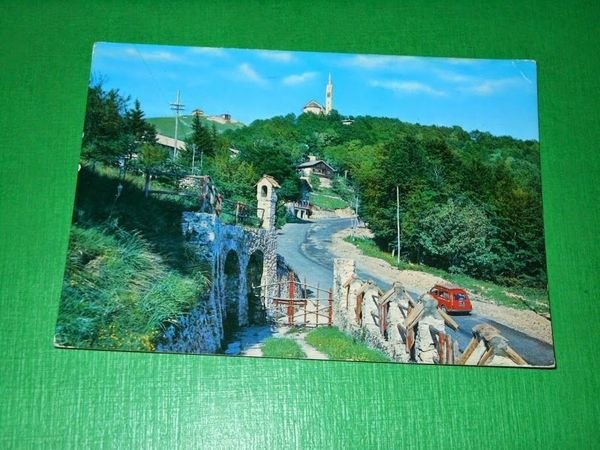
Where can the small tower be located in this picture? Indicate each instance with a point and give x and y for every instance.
(329, 96)
(266, 200)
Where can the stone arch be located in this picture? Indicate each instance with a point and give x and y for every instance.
(231, 293)
(254, 279)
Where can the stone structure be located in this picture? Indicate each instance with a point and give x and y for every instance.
(242, 263)
(313, 107)
(389, 321)
(357, 310)
(266, 199)
(329, 96)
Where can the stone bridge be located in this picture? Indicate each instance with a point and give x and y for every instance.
(240, 262)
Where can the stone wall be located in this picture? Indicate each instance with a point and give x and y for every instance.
(228, 251)
(364, 322)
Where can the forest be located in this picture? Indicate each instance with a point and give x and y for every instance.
(470, 202)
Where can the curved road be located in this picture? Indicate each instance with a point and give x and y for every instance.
(305, 247)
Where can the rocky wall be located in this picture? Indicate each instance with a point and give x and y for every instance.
(227, 250)
(364, 322)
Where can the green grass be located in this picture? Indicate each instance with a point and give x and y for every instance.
(119, 294)
(514, 297)
(166, 126)
(129, 270)
(326, 200)
(338, 345)
(282, 348)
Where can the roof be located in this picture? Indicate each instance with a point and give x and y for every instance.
(271, 180)
(448, 285)
(169, 142)
(313, 104)
(312, 164)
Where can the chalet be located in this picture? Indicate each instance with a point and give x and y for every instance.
(316, 167)
(169, 143)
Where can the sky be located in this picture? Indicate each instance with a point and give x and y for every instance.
(498, 96)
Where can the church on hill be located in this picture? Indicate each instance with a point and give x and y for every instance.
(315, 107)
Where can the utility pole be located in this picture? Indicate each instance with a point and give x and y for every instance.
(177, 107)
(193, 157)
(355, 218)
(398, 222)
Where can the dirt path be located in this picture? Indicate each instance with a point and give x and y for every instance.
(252, 339)
(527, 321)
(300, 339)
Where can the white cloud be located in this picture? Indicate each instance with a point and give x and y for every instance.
(209, 51)
(292, 80)
(490, 87)
(379, 61)
(133, 52)
(247, 73)
(462, 61)
(277, 56)
(159, 55)
(409, 87)
(454, 77)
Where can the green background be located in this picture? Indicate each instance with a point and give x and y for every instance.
(80, 399)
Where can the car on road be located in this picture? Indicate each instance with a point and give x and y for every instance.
(451, 298)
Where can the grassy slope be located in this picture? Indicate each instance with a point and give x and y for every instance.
(166, 126)
(515, 297)
(118, 293)
(327, 200)
(129, 271)
(340, 346)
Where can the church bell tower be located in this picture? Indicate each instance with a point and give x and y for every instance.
(329, 96)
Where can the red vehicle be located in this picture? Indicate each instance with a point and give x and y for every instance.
(451, 298)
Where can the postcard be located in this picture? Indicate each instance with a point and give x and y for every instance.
(309, 205)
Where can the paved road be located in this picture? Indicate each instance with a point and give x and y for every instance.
(305, 248)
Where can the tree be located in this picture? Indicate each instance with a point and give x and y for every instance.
(201, 138)
(459, 237)
(151, 159)
(104, 137)
(139, 131)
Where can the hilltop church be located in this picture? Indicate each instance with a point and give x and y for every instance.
(314, 107)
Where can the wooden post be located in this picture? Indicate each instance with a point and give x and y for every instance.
(486, 356)
(410, 339)
(330, 307)
(358, 309)
(441, 347)
(347, 296)
(515, 357)
(473, 343)
(290, 310)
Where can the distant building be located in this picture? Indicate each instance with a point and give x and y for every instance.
(314, 107)
(329, 96)
(198, 112)
(316, 167)
(169, 143)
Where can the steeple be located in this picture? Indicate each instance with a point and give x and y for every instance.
(329, 96)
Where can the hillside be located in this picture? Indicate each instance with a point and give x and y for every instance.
(166, 125)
